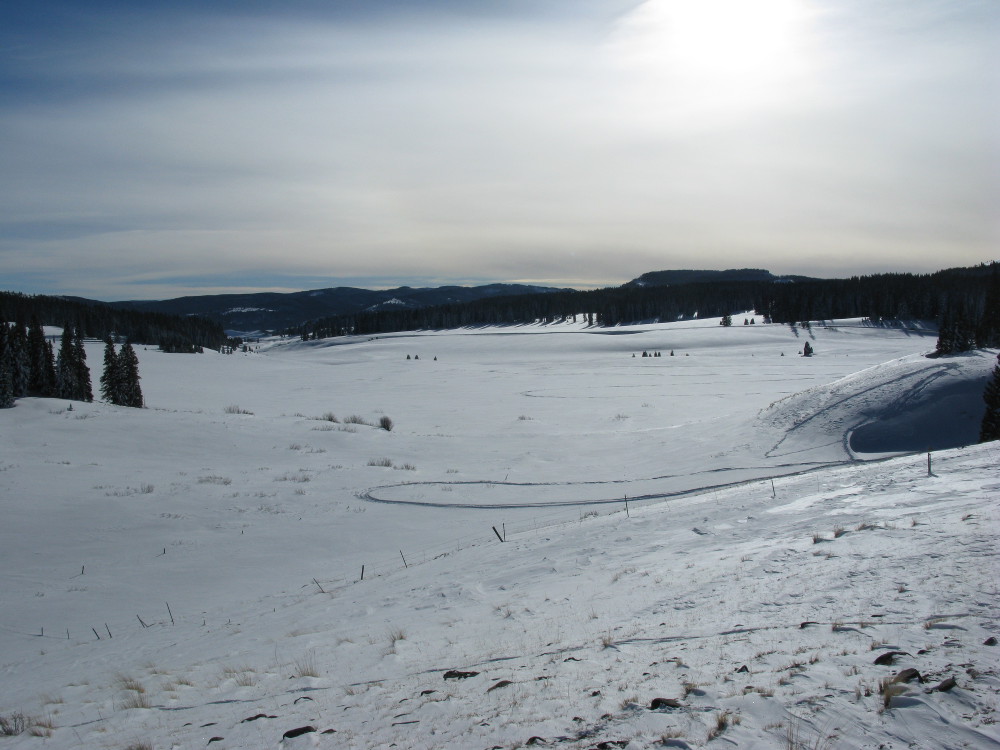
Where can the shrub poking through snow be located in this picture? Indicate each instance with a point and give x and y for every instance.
(13, 724)
(385, 423)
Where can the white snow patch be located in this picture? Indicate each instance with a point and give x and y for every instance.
(252, 525)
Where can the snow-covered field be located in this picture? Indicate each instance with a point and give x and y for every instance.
(190, 574)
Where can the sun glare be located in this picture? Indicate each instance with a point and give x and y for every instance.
(719, 53)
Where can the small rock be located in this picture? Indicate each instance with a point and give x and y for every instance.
(806, 624)
(908, 675)
(889, 656)
(536, 741)
(216, 739)
(427, 692)
(297, 732)
(945, 685)
(303, 698)
(991, 641)
(455, 674)
(657, 703)
(744, 668)
(497, 686)
(258, 716)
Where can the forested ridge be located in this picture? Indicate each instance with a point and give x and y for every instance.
(97, 320)
(966, 299)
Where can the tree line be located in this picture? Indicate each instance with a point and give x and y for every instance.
(97, 320)
(29, 366)
(965, 303)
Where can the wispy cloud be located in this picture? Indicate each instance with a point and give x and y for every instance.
(564, 142)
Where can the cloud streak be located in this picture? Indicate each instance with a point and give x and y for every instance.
(570, 146)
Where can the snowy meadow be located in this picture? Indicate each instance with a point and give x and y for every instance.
(510, 537)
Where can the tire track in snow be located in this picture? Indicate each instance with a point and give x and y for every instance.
(797, 469)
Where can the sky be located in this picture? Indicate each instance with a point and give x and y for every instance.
(152, 150)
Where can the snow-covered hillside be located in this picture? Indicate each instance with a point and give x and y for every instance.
(693, 553)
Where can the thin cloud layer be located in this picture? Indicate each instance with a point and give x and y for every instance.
(567, 145)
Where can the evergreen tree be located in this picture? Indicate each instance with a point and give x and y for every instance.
(66, 371)
(85, 391)
(50, 370)
(128, 377)
(17, 358)
(988, 330)
(6, 387)
(727, 320)
(110, 387)
(990, 428)
(955, 333)
(38, 352)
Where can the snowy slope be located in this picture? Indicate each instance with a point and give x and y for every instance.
(253, 529)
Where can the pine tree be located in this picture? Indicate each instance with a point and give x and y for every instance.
(110, 386)
(84, 392)
(17, 358)
(727, 320)
(990, 428)
(37, 355)
(66, 371)
(6, 387)
(128, 377)
(988, 329)
(50, 370)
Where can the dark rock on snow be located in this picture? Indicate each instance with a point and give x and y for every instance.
(454, 674)
(298, 732)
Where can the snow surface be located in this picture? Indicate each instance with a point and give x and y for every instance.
(170, 573)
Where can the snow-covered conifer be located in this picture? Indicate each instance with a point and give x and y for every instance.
(990, 428)
(128, 376)
(110, 387)
(85, 392)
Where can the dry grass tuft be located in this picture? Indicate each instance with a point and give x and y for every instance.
(306, 666)
(124, 682)
(722, 722)
(12, 724)
(396, 635)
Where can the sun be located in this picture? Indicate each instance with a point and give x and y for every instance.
(720, 53)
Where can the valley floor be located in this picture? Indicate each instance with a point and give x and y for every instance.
(251, 555)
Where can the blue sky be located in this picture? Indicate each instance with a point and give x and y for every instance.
(152, 150)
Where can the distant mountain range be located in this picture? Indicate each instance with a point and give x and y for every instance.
(271, 311)
(675, 278)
